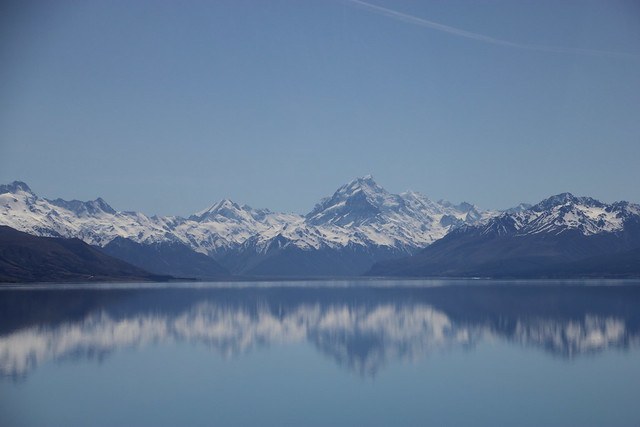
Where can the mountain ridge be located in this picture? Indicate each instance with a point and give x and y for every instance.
(562, 236)
(361, 220)
(360, 224)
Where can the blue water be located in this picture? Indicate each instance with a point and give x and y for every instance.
(369, 353)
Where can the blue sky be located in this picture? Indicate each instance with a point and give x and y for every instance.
(166, 107)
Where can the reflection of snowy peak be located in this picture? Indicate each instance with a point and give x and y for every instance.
(361, 218)
(360, 330)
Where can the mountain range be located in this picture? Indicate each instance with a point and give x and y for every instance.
(360, 228)
(343, 235)
(562, 236)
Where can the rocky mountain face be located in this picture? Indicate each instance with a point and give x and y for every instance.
(561, 236)
(344, 234)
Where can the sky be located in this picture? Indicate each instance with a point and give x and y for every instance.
(166, 107)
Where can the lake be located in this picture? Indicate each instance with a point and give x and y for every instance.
(321, 353)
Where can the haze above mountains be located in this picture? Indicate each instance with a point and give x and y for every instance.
(346, 234)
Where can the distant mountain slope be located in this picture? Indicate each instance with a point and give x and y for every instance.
(27, 258)
(616, 265)
(361, 223)
(171, 258)
(563, 235)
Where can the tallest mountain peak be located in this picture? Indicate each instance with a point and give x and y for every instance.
(367, 179)
(355, 202)
(365, 183)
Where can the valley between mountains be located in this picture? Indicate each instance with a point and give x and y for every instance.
(360, 229)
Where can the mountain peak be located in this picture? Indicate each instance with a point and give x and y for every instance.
(224, 204)
(80, 208)
(564, 199)
(15, 187)
(516, 209)
(359, 199)
(101, 204)
(224, 208)
(366, 184)
(563, 212)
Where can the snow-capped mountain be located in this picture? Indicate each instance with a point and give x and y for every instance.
(226, 226)
(95, 222)
(365, 205)
(564, 212)
(363, 213)
(562, 235)
(359, 224)
(222, 226)
(346, 233)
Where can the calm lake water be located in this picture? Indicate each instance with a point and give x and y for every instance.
(321, 353)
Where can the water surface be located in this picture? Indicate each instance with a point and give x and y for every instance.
(314, 353)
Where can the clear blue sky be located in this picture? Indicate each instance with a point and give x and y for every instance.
(168, 106)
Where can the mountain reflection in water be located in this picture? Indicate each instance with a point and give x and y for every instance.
(360, 328)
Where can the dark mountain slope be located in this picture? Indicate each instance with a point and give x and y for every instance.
(171, 258)
(618, 265)
(27, 258)
(290, 261)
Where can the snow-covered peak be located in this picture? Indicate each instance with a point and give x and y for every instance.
(366, 184)
(564, 212)
(361, 212)
(95, 207)
(450, 214)
(15, 187)
(361, 186)
(520, 208)
(565, 199)
(463, 207)
(356, 202)
(227, 210)
(223, 209)
(94, 222)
